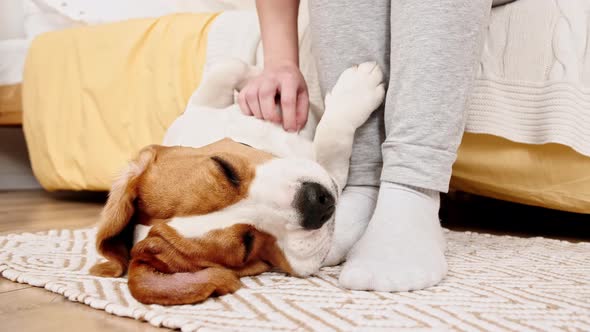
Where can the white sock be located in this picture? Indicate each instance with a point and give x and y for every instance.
(353, 212)
(403, 246)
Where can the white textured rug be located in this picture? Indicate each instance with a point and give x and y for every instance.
(495, 283)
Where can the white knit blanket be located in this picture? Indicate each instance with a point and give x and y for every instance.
(495, 283)
(533, 84)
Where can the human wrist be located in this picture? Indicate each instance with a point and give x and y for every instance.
(278, 61)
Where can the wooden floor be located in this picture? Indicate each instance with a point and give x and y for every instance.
(26, 308)
(37, 210)
(30, 309)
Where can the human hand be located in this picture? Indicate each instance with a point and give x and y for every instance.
(278, 84)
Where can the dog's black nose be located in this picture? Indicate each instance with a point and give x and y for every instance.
(315, 203)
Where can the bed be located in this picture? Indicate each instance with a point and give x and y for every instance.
(528, 128)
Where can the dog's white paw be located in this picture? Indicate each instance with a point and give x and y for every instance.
(357, 93)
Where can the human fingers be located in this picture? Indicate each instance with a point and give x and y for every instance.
(288, 105)
(266, 98)
(244, 104)
(251, 96)
(302, 110)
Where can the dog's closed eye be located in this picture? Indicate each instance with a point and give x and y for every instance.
(228, 170)
(245, 144)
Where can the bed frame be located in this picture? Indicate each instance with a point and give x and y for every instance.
(10, 105)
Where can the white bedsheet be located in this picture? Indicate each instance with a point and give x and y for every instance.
(12, 59)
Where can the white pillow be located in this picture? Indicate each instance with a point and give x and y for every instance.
(40, 17)
(11, 19)
(47, 15)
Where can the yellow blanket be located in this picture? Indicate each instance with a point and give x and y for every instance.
(95, 95)
(549, 175)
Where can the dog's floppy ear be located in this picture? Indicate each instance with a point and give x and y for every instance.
(115, 232)
(150, 286)
(169, 269)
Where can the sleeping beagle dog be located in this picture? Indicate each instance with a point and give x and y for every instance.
(228, 195)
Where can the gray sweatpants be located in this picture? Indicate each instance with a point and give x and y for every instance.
(428, 50)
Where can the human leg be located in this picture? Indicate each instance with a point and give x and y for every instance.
(435, 47)
(346, 33)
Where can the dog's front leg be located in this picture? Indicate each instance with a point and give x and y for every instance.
(218, 86)
(357, 93)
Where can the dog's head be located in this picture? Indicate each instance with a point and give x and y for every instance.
(197, 191)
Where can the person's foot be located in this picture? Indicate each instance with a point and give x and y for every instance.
(403, 246)
(353, 212)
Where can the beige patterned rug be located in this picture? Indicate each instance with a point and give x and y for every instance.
(495, 283)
